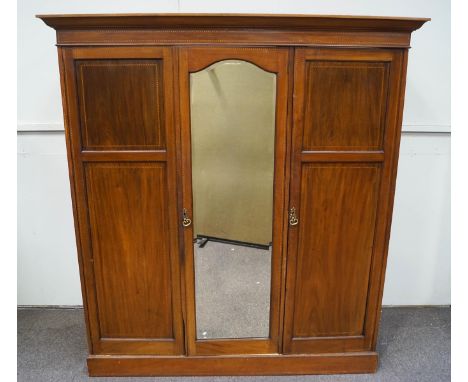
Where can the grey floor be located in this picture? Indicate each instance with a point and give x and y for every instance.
(232, 285)
(414, 345)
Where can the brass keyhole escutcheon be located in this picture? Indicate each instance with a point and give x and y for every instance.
(293, 220)
(186, 221)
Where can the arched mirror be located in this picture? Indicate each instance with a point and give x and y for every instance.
(232, 115)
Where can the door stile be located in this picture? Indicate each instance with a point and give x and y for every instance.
(186, 183)
(294, 195)
(287, 182)
(176, 52)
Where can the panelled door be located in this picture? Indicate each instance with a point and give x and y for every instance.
(233, 127)
(344, 151)
(122, 145)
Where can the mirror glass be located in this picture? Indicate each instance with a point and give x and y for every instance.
(232, 137)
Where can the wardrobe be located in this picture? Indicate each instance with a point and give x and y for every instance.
(232, 179)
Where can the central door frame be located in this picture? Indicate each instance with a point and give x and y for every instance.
(274, 60)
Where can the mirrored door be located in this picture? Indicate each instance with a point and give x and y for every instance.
(233, 119)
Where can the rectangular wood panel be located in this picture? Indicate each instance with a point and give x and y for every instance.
(356, 363)
(121, 146)
(342, 169)
(344, 105)
(121, 104)
(129, 220)
(338, 212)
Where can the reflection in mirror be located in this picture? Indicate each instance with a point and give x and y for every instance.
(233, 134)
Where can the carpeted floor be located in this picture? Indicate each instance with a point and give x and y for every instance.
(414, 345)
(232, 285)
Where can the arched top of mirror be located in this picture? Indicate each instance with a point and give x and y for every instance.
(233, 61)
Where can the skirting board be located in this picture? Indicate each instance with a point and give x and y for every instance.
(139, 366)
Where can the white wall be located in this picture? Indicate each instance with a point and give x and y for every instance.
(419, 259)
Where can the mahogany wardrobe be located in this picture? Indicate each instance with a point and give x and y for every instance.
(232, 179)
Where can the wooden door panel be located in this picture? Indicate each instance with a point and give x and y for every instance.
(338, 206)
(346, 128)
(121, 104)
(345, 105)
(131, 258)
(122, 145)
